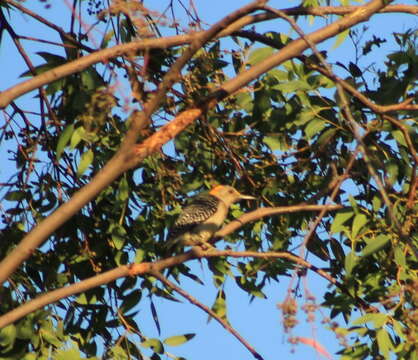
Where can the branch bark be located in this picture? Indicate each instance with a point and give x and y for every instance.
(163, 43)
(127, 156)
(268, 211)
(147, 267)
(123, 159)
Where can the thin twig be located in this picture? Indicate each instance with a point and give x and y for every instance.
(346, 110)
(268, 255)
(334, 193)
(207, 310)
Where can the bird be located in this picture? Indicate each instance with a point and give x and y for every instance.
(199, 220)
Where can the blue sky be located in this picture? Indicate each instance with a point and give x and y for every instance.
(260, 321)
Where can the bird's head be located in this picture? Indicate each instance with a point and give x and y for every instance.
(229, 195)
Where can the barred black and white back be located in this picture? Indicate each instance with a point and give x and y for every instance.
(197, 212)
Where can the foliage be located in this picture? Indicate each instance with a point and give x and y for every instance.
(285, 138)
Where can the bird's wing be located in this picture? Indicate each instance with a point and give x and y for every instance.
(194, 214)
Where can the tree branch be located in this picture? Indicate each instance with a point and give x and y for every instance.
(127, 156)
(123, 158)
(266, 255)
(111, 171)
(379, 109)
(163, 43)
(146, 267)
(268, 211)
(296, 47)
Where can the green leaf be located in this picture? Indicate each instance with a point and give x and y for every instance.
(130, 301)
(398, 329)
(399, 137)
(340, 38)
(219, 307)
(85, 162)
(15, 195)
(50, 337)
(64, 139)
(273, 142)
(52, 61)
(154, 344)
(314, 127)
(326, 136)
(378, 320)
(139, 255)
(349, 262)
(384, 342)
(354, 70)
(377, 203)
(123, 193)
(119, 235)
(155, 315)
(393, 172)
(178, 340)
(293, 86)
(359, 221)
(7, 337)
(259, 55)
(77, 136)
(245, 101)
(84, 300)
(400, 258)
(375, 245)
(91, 79)
(337, 250)
(341, 217)
(353, 203)
(68, 354)
(318, 247)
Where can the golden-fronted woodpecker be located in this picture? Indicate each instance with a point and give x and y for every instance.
(200, 220)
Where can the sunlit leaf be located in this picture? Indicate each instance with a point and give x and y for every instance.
(375, 245)
(350, 261)
(340, 38)
(340, 219)
(178, 340)
(64, 139)
(359, 221)
(85, 161)
(259, 55)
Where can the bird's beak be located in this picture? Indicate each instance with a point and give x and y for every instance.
(246, 197)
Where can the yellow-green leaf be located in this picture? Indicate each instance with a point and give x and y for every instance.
(378, 320)
(349, 262)
(219, 307)
(340, 38)
(77, 136)
(375, 245)
(64, 139)
(178, 340)
(359, 221)
(384, 342)
(259, 55)
(340, 219)
(154, 344)
(85, 162)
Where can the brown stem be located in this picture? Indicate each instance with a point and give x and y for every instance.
(112, 170)
(263, 212)
(209, 311)
(123, 159)
(162, 43)
(142, 268)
